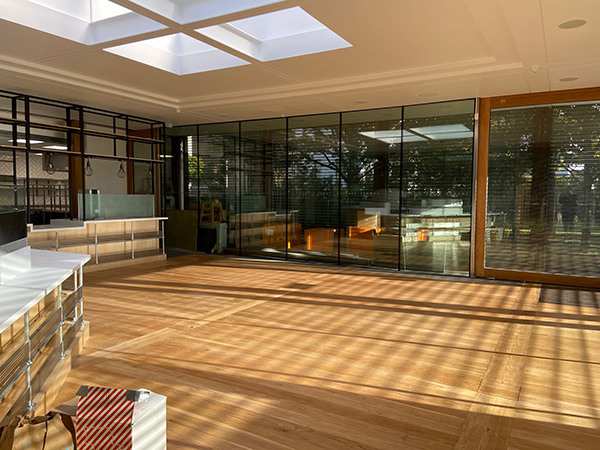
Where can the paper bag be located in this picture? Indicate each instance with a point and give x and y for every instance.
(41, 433)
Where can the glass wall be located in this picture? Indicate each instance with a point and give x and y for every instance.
(261, 226)
(370, 186)
(543, 212)
(313, 187)
(437, 173)
(336, 187)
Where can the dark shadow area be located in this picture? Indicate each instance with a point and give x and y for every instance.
(559, 295)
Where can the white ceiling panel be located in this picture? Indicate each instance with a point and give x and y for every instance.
(402, 52)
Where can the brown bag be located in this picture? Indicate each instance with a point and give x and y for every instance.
(41, 433)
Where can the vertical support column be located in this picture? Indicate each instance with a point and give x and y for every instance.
(82, 213)
(162, 235)
(56, 245)
(30, 404)
(240, 181)
(132, 242)
(96, 241)
(81, 301)
(15, 136)
(62, 322)
(401, 254)
(27, 151)
(339, 186)
(287, 189)
(483, 140)
(474, 187)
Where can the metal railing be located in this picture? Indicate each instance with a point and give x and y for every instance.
(21, 360)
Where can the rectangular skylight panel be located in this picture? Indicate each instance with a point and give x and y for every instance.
(85, 21)
(277, 35)
(178, 44)
(188, 11)
(177, 53)
(104, 9)
(87, 10)
(278, 24)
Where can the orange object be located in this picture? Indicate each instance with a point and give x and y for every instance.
(423, 234)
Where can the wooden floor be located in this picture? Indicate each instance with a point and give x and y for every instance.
(270, 355)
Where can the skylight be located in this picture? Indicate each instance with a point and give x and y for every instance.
(177, 53)
(85, 21)
(441, 132)
(89, 10)
(187, 11)
(277, 35)
(393, 136)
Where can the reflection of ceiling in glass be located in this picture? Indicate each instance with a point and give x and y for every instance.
(177, 53)
(84, 21)
(393, 136)
(416, 134)
(441, 132)
(276, 35)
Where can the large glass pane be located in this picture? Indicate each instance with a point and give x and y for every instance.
(543, 212)
(215, 166)
(436, 187)
(261, 226)
(370, 185)
(313, 144)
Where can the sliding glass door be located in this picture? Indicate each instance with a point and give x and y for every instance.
(543, 205)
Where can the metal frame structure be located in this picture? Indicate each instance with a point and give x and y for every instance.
(69, 312)
(20, 116)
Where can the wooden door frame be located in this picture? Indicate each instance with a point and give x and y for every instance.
(486, 105)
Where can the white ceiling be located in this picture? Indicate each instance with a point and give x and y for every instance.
(403, 52)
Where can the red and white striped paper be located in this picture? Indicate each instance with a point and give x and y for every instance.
(104, 419)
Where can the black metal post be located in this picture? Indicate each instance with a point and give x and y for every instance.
(28, 148)
(339, 231)
(400, 239)
(82, 152)
(287, 189)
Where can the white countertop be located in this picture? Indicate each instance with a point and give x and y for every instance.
(82, 227)
(48, 269)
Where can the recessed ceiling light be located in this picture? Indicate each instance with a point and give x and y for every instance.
(88, 22)
(177, 53)
(188, 11)
(570, 24)
(56, 147)
(277, 35)
(567, 79)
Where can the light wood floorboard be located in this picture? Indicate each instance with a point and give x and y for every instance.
(273, 355)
